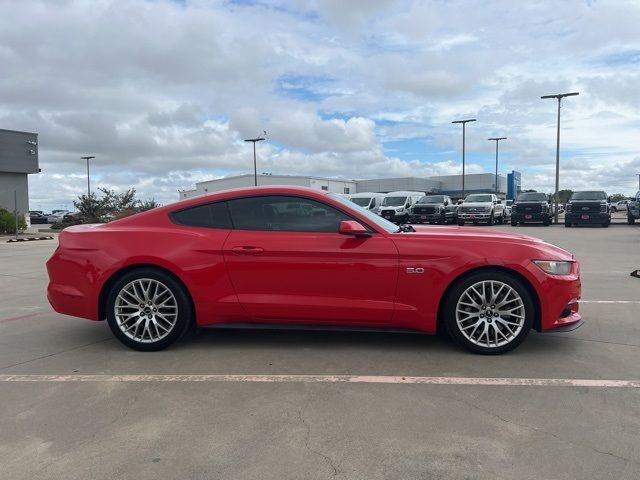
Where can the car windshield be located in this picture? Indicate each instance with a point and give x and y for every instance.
(362, 201)
(478, 198)
(532, 197)
(432, 199)
(589, 196)
(393, 201)
(372, 217)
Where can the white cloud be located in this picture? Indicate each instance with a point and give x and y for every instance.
(164, 92)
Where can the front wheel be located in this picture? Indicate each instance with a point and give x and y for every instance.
(148, 310)
(461, 224)
(491, 220)
(489, 312)
(631, 220)
(614, 209)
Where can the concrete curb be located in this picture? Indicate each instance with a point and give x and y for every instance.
(28, 239)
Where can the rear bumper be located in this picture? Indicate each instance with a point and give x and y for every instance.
(72, 290)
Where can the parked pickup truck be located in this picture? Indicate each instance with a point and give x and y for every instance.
(433, 209)
(588, 208)
(531, 207)
(481, 207)
(633, 209)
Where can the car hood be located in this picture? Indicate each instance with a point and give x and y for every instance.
(462, 235)
(475, 204)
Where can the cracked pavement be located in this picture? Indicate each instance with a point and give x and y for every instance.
(110, 430)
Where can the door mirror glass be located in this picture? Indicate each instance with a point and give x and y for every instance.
(351, 227)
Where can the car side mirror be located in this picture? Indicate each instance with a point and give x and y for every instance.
(446, 202)
(351, 227)
(499, 202)
(407, 205)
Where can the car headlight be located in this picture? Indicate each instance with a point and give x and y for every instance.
(488, 209)
(554, 267)
(603, 207)
(568, 208)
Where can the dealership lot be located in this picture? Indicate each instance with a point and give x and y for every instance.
(235, 427)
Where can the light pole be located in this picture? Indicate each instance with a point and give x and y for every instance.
(497, 139)
(255, 168)
(464, 124)
(559, 96)
(88, 184)
(638, 181)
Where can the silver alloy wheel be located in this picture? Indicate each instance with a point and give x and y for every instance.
(490, 313)
(146, 310)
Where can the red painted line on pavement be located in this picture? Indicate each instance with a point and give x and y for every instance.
(20, 317)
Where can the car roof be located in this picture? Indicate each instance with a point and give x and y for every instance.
(223, 195)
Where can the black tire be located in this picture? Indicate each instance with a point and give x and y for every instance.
(183, 317)
(631, 220)
(491, 220)
(459, 289)
(461, 224)
(567, 224)
(514, 223)
(605, 224)
(613, 210)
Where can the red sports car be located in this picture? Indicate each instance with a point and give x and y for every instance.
(302, 257)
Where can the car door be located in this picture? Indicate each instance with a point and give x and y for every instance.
(287, 262)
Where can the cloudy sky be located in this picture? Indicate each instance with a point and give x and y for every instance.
(163, 92)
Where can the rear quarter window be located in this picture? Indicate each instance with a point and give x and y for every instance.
(211, 215)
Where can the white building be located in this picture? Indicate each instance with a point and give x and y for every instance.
(328, 184)
(446, 184)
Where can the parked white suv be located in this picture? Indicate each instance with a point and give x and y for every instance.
(396, 206)
(481, 207)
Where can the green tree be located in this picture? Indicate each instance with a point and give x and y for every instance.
(91, 208)
(148, 204)
(563, 195)
(616, 197)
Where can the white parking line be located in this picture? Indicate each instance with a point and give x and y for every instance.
(634, 302)
(488, 382)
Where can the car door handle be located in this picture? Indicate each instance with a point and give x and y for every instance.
(247, 250)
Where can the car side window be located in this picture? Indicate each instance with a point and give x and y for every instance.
(210, 215)
(282, 213)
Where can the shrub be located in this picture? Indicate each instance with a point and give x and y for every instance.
(8, 222)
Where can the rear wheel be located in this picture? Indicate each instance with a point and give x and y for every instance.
(489, 312)
(148, 310)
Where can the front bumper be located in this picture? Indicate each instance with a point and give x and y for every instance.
(474, 217)
(394, 216)
(587, 218)
(530, 217)
(559, 297)
(426, 217)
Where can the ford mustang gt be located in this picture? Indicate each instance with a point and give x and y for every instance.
(299, 257)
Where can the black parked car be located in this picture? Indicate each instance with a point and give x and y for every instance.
(433, 209)
(37, 217)
(531, 207)
(588, 208)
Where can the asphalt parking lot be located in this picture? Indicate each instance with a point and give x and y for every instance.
(152, 425)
